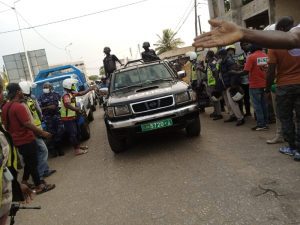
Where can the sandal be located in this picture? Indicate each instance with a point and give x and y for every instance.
(80, 152)
(45, 188)
(84, 147)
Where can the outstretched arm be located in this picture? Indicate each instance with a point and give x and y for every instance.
(224, 33)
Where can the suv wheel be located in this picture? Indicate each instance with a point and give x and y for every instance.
(117, 144)
(193, 129)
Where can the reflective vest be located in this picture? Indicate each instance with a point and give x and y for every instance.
(32, 107)
(211, 81)
(64, 112)
(193, 73)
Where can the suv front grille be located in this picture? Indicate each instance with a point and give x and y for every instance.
(153, 104)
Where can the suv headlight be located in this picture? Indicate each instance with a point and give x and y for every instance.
(122, 110)
(182, 97)
(110, 112)
(193, 95)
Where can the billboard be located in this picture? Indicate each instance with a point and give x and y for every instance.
(16, 65)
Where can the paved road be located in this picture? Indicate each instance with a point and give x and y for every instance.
(227, 176)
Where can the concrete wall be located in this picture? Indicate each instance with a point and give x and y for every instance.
(287, 8)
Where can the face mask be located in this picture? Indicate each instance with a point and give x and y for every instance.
(46, 90)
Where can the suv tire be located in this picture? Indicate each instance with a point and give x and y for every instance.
(117, 144)
(193, 129)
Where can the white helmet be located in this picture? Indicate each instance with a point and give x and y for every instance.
(67, 83)
(26, 86)
(191, 55)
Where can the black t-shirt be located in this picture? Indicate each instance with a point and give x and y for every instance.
(149, 56)
(109, 63)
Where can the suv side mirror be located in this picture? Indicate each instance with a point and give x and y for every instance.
(181, 74)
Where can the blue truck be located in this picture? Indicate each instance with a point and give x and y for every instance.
(55, 76)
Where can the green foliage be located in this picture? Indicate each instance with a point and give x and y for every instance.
(101, 70)
(167, 41)
(94, 77)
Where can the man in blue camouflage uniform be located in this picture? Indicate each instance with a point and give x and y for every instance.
(49, 103)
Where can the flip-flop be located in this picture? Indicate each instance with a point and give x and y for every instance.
(84, 147)
(81, 152)
(45, 188)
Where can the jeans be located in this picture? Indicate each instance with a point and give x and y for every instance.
(71, 129)
(29, 154)
(260, 106)
(246, 99)
(288, 102)
(42, 157)
(217, 104)
(278, 123)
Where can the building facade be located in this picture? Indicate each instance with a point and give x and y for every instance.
(255, 14)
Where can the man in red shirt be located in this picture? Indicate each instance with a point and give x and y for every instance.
(256, 66)
(18, 123)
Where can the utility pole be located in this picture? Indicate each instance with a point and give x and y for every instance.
(196, 18)
(200, 29)
(139, 48)
(26, 54)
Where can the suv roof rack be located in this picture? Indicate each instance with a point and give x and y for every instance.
(134, 61)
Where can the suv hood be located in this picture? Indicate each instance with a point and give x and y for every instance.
(146, 92)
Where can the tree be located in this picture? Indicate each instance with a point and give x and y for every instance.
(101, 71)
(94, 77)
(167, 41)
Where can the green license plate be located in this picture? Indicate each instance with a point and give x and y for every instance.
(156, 125)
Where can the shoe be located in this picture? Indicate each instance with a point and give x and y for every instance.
(275, 140)
(218, 117)
(240, 122)
(212, 115)
(297, 156)
(258, 128)
(231, 119)
(49, 173)
(248, 114)
(287, 150)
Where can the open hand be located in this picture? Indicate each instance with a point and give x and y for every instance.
(46, 135)
(222, 34)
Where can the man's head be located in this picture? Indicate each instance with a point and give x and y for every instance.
(209, 56)
(255, 47)
(26, 87)
(222, 53)
(245, 46)
(230, 50)
(14, 92)
(146, 45)
(285, 23)
(106, 50)
(47, 87)
(69, 84)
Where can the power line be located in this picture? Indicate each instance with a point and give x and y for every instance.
(185, 19)
(38, 33)
(184, 14)
(73, 18)
(6, 10)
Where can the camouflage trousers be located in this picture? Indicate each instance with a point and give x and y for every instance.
(288, 105)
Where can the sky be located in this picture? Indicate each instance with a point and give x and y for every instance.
(120, 29)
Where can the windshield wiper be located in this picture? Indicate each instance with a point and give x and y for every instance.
(161, 79)
(127, 87)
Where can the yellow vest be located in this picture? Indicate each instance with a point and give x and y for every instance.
(211, 81)
(36, 119)
(64, 112)
(193, 73)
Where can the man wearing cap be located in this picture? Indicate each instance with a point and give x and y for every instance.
(49, 103)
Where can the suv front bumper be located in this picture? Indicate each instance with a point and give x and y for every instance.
(182, 115)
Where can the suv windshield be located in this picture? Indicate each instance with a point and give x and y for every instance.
(140, 76)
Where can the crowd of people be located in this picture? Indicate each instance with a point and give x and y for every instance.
(267, 72)
(29, 127)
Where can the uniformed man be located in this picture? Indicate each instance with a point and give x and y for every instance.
(149, 54)
(109, 62)
(49, 103)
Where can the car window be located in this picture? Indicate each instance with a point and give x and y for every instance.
(141, 75)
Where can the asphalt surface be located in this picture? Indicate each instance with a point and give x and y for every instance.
(228, 176)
